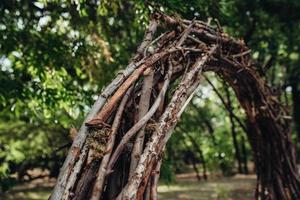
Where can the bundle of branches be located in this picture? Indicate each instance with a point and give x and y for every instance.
(117, 153)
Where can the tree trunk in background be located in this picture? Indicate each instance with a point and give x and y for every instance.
(192, 157)
(97, 166)
(233, 132)
(198, 149)
(236, 145)
(245, 156)
(194, 163)
(228, 106)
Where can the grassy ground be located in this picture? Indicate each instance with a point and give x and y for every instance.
(187, 188)
(225, 188)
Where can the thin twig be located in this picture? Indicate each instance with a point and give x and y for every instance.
(241, 54)
(185, 34)
(226, 104)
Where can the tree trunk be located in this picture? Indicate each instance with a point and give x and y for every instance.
(234, 133)
(245, 156)
(198, 149)
(192, 158)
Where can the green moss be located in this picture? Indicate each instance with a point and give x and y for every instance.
(97, 140)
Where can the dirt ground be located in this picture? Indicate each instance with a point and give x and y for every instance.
(239, 187)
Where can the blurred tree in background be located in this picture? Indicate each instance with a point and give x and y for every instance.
(55, 56)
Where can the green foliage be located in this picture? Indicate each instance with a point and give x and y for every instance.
(54, 57)
(167, 173)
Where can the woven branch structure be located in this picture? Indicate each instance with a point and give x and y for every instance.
(117, 152)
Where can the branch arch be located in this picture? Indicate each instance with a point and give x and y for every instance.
(165, 73)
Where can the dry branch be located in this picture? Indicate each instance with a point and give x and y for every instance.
(143, 108)
(142, 121)
(166, 124)
(106, 111)
(98, 186)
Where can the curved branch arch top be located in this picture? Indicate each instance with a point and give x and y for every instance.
(117, 152)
